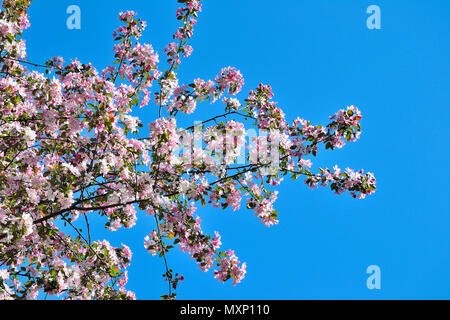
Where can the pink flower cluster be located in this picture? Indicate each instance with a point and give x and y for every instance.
(230, 80)
(229, 268)
(260, 106)
(359, 184)
(163, 136)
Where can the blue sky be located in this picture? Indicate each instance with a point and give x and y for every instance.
(318, 56)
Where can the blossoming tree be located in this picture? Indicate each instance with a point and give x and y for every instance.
(70, 148)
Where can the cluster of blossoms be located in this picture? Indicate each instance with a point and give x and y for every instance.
(69, 148)
(229, 268)
(230, 79)
(137, 62)
(168, 85)
(204, 89)
(182, 101)
(187, 15)
(359, 184)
